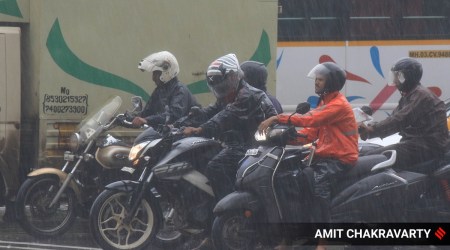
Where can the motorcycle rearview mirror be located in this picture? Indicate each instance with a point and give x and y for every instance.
(195, 111)
(137, 103)
(367, 109)
(303, 108)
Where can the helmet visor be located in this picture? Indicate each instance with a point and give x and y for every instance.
(319, 69)
(220, 85)
(396, 78)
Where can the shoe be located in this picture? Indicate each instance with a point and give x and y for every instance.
(206, 244)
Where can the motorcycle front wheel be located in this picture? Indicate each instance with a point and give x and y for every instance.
(233, 231)
(107, 221)
(34, 213)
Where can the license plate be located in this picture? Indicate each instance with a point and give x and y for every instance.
(252, 152)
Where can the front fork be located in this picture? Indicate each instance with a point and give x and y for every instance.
(70, 175)
(136, 197)
(65, 183)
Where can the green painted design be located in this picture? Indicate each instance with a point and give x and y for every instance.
(198, 87)
(262, 54)
(10, 7)
(74, 66)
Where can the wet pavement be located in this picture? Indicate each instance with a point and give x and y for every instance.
(12, 236)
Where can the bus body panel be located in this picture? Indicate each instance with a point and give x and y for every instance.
(368, 70)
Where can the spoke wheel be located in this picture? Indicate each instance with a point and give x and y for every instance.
(34, 213)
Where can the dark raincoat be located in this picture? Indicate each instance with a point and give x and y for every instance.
(235, 124)
(420, 118)
(173, 94)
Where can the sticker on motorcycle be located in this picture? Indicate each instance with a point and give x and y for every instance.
(252, 152)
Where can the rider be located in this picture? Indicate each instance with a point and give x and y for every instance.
(333, 127)
(420, 117)
(233, 118)
(170, 97)
(255, 74)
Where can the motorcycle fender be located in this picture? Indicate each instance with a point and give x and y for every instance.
(62, 176)
(124, 185)
(129, 186)
(237, 201)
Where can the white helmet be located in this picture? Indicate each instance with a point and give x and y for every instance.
(163, 61)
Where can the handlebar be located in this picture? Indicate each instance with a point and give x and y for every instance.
(122, 120)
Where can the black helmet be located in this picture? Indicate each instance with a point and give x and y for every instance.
(255, 74)
(406, 73)
(335, 76)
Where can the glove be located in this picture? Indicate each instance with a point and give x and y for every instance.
(364, 131)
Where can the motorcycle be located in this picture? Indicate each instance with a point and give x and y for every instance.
(50, 199)
(170, 201)
(274, 193)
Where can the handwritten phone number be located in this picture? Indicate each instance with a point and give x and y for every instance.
(65, 99)
(65, 109)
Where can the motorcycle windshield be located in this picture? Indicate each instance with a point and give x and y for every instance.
(96, 120)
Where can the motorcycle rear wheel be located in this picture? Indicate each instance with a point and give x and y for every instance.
(109, 230)
(32, 210)
(168, 236)
(233, 231)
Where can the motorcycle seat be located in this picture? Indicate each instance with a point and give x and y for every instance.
(434, 167)
(364, 166)
(362, 169)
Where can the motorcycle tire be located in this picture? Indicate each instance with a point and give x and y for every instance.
(233, 231)
(107, 227)
(32, 210)
(168, 236)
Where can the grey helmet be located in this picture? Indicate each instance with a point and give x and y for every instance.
(335, 76)
(406, 73)
(255, 74)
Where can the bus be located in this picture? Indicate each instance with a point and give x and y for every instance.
(366, 38)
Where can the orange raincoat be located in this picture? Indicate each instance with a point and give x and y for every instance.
(334, 124)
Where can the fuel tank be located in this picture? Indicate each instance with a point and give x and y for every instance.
(113, 156)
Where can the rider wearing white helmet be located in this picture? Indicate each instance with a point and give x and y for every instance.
(170, 96)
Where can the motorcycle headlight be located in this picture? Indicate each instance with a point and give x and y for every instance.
(134, 152)
(270, 133)
(260, 136)
(74, 142)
